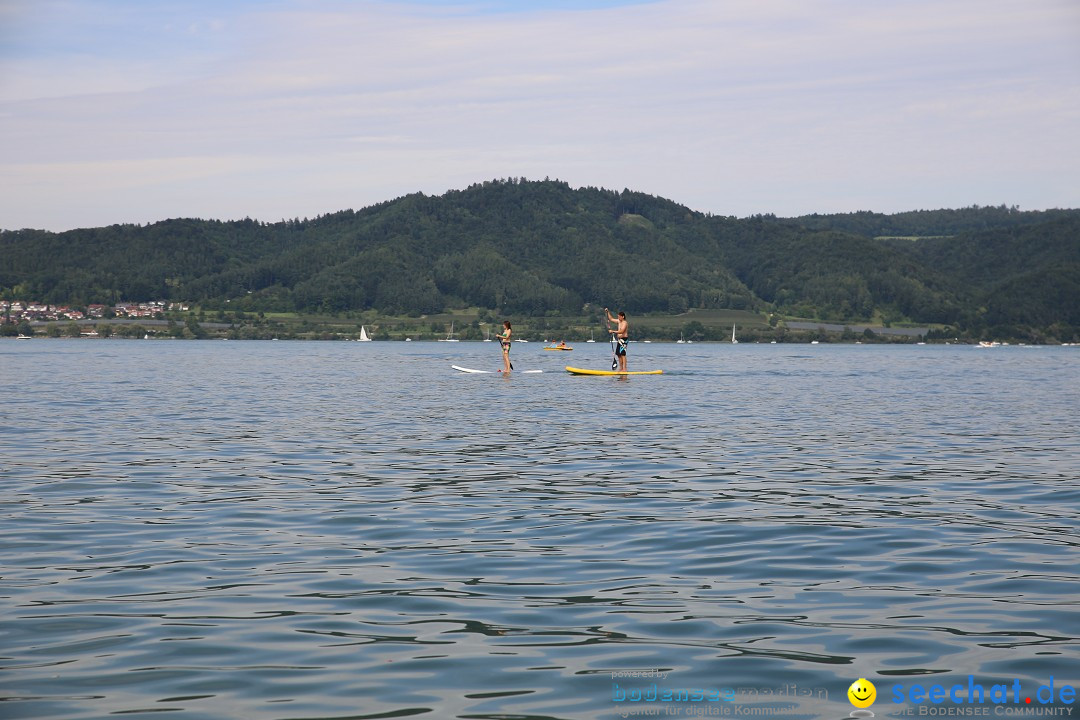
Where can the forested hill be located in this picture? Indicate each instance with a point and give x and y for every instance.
(931, 223)
(532, 248)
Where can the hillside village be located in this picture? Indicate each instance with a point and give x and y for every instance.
(16, 311)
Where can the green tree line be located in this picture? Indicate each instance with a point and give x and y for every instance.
(542, 248)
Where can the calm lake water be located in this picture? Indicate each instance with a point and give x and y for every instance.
(354, 530)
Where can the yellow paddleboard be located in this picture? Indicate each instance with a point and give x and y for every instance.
(582, 371)
(558, 348)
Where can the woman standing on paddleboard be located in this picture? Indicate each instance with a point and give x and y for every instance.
(504, 340)
(622, 337)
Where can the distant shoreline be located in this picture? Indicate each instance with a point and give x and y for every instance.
(791, 324)
(148, 322)
(834, 327)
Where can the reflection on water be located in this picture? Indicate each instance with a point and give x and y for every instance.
(287, 530)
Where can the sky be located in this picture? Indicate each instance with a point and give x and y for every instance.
(128, 111)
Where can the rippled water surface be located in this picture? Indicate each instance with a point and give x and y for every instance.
(331, 530)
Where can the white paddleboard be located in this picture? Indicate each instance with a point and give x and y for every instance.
(489, 372)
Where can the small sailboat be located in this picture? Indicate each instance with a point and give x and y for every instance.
(680, 341)
(590, 337)
(450, 336)
(733, 340)
(363, 335)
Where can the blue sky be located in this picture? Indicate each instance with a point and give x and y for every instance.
(115, 111)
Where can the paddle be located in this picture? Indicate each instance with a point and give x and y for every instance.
(611, 335)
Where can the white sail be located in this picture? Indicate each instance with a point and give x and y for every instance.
(363, 335)
(450, 337)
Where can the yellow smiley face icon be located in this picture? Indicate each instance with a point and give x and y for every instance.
(862, 693)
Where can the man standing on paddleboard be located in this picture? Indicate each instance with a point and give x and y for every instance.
(622, 337)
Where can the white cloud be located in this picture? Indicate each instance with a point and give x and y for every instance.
(735, 107)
